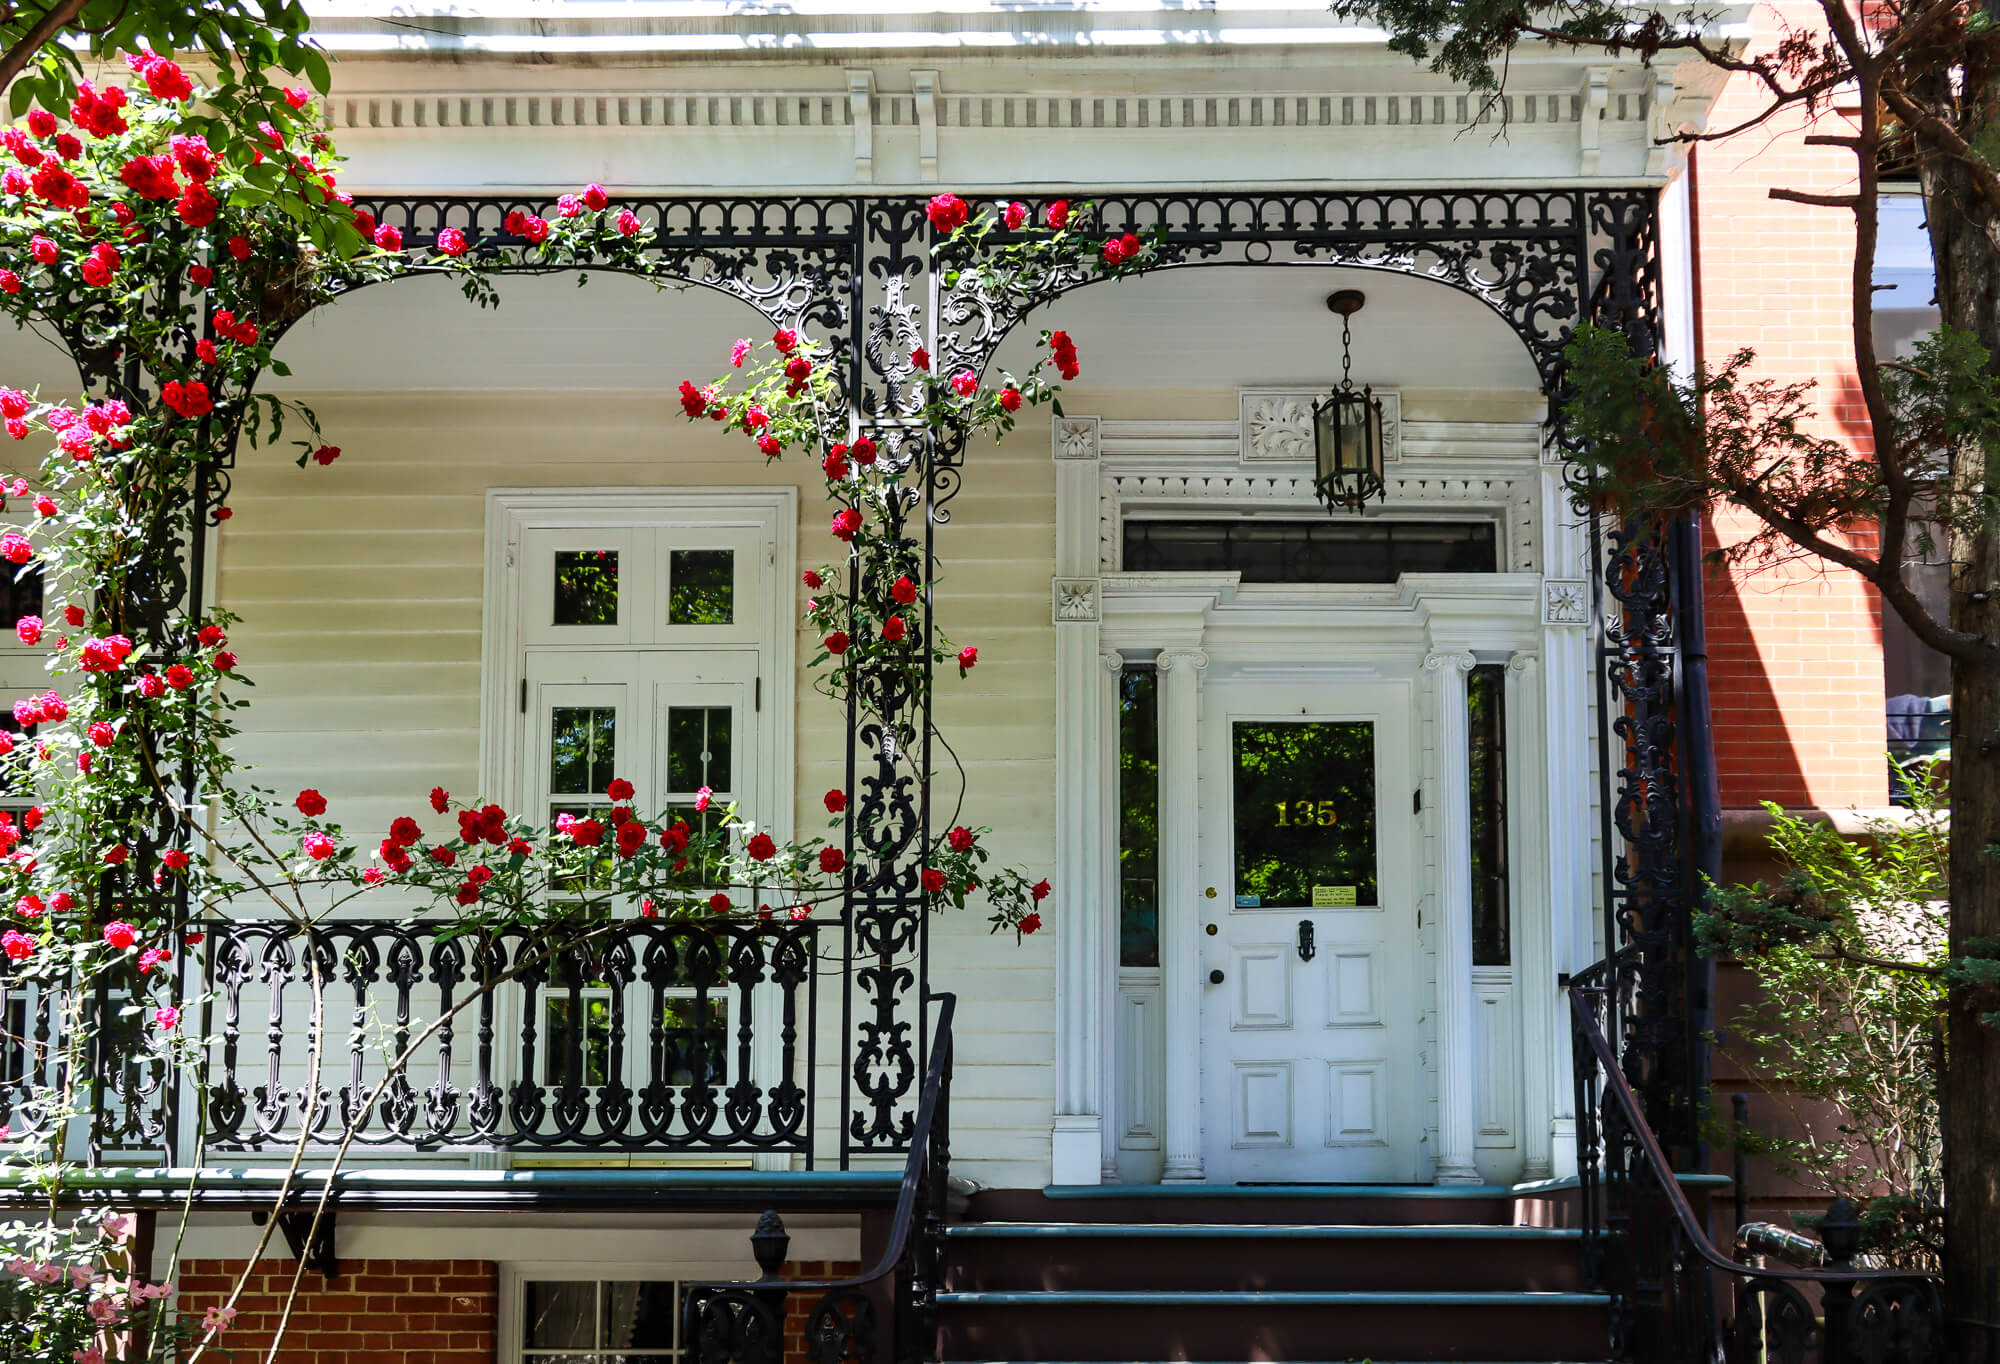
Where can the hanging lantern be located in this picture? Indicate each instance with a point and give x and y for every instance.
(1347, 425)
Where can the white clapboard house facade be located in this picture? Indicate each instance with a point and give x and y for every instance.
(1321, 795)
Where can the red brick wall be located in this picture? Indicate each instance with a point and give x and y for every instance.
(1795, 652)
(376, 1312)
(799, 1306)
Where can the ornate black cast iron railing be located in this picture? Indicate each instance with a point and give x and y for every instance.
(1645, 1245)
(653, 1034)
(743, 1323)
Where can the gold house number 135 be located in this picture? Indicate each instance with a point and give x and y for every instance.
(1300, 814)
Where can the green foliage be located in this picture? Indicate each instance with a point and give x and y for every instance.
(1845, 1031)
(1651, 444)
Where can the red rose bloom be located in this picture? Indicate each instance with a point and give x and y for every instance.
(631, 838)
(960, 839)
(921, 358)
(864, 452)
(440, 798)
(1014, 215)
(831, 860)
(761, 848)
(178, 677)
(152, 686)
(627, 222)
(594, 197)
(846, 523)
(318, 847)
(41, 123)
(310, 803)
(893, 629)
(836, 801)
(967, 657)
(174, 859)
(201, 276)
(965, 383)
(404, 831)
(1040, 891)
(836, 643)
(903, 590)
(948, 213)
(834, 466)
(225, 661)
(933, 880)
(1009, 399)
(452, 242)
(444, 857)
(586, 833)
(812, 580)
(1056, 215)
(1030, 922)
(620, 789)
(718, 903)
(42, 249)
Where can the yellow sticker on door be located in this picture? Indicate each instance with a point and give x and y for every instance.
(1333, 897)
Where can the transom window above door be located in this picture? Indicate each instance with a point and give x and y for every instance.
(1271, 550)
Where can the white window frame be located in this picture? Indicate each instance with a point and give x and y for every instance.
(512, 511)
(510, 1345)
(503, 729)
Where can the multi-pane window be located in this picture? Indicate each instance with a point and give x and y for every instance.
(643, 653)
(597, 1322)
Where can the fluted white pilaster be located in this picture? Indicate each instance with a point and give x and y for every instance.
(1458, 1116)
(1180, 873)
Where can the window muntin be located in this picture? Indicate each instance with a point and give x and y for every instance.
(1305, 813)
(1267, 550)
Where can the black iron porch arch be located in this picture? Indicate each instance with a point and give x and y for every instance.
(858, 271)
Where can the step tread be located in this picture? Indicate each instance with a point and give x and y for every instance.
(1276, 1230)
(1237, 1298)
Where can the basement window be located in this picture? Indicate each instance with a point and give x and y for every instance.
(584, 1321)
(1318, 551)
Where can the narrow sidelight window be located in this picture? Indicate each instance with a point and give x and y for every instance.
(1486, 731)
(1138, 817)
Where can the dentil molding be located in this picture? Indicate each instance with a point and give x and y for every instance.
(1208, 484)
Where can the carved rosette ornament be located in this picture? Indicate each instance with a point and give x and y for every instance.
(1276, 425)
(1073, 437)
(1565, 601)
(1073, 600)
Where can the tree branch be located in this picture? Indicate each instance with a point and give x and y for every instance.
(52, 22)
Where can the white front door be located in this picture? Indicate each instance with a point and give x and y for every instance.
(1309, 933)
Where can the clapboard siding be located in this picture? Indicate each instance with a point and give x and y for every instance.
(360, 592)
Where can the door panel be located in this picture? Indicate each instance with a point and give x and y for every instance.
(1309, 1061)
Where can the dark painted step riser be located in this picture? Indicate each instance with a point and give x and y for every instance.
(1272, 1333)
(1275, 1265)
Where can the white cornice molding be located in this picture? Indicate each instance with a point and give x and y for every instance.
(596, 109)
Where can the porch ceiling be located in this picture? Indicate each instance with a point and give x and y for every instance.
(1207, 328)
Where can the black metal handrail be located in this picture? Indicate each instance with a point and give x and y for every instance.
(742, 1322)
(1648, 1247)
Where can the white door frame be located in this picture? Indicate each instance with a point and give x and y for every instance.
(1437, 626)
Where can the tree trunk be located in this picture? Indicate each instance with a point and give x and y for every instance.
(1968, 276)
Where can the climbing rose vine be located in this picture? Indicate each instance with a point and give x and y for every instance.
(169, 251)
